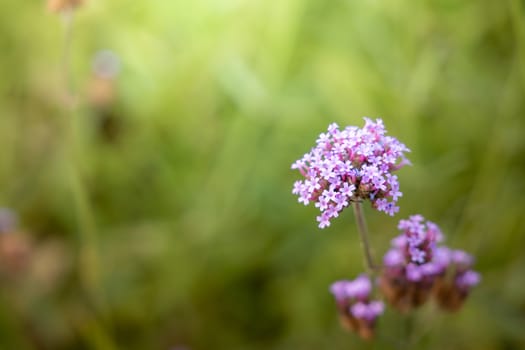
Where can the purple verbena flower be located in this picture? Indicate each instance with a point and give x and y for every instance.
(339, 290)
(461, 259)
(367, 311)
(456, 281)
(358, 289)
(394, 258)
(419, 238)
(356, 311)
(467, 280)
(351, 165)
(416, 266)
(413, 272)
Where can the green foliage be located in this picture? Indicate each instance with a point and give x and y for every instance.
(164, 217)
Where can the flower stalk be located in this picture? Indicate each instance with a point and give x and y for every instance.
(363, 235)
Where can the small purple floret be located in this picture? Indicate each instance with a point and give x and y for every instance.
(394, 258)
(368, 311)
(359, 288)
(467, 280)
(338, 290)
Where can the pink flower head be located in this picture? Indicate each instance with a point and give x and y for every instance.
(351, 165)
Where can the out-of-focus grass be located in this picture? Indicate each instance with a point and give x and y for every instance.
(175, 225)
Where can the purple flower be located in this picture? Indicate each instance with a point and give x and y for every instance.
(414, 273)
(467, 280)
(419, 238)
(394, 258)
(441, 258)
(416, 263)
(367, 311)
(417, 255)
(351, 165)
(399, 242)
(324, 220)
(416, 250)
(339, 289)
(461, 259)
(359, 288)
(455, 284)
(356, 311)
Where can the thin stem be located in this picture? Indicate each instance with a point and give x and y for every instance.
(67, 18)
(409, 327)
(88, 256)
(88, 263)
(363, 234)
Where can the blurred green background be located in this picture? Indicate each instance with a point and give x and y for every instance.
(155, 207)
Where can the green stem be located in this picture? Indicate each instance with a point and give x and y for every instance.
(363, 234)
(409, 330)
(67, 19)
(89, 261)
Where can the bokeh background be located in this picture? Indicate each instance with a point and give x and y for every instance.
(146, 150)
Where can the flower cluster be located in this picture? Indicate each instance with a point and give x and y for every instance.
(415, 268)
(456, 280)
(351, 165)
(357, 312)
